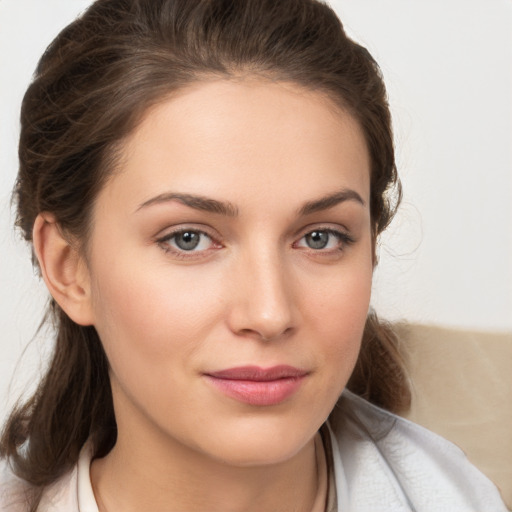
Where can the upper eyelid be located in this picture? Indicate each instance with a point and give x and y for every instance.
(170, 232)
(332, 228)
(326, 224)
(335, 232)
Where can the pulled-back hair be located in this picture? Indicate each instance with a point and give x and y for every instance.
(90, 90)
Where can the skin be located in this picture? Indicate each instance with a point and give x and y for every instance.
(253, 292)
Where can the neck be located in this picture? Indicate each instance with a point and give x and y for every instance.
(178, 480)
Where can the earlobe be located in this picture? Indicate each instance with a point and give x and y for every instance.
(63, 270)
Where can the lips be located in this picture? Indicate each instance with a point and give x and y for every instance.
(258, 386)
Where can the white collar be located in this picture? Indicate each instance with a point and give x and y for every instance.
(86, 500)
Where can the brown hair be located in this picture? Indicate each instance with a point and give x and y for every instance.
(90, 89)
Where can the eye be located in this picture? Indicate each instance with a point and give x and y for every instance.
(324, 239)
(186, 240)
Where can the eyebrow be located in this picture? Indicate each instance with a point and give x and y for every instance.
(324, 203)
(194, 201)
(227, 209)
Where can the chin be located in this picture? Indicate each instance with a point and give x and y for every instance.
(256, 456)
(260, 443)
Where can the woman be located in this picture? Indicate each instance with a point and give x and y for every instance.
(203, 183)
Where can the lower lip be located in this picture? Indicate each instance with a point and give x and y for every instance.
(252, 392)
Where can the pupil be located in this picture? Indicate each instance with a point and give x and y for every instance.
(317, 239)
(187, 240)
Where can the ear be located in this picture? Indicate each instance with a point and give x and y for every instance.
(63, 269)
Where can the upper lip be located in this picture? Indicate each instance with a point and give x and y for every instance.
(255, 373)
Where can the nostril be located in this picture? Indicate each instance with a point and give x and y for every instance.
(267, 335)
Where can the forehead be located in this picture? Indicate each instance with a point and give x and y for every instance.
(248, 138)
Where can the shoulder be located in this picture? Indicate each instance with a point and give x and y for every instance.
(15, 493)
(385, 457)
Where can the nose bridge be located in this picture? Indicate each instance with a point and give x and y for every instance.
(264, 303)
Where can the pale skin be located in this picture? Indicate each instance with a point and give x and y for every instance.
(258, 289)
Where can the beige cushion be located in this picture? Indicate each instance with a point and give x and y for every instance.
(462, 389)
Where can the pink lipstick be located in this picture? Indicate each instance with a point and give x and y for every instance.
(258, 386)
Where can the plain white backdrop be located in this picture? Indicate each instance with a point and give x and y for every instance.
(447, 259)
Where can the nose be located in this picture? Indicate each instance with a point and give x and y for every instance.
(263, 304)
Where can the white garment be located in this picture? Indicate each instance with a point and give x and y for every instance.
(382, 463)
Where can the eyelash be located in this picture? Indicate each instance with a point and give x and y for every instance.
(344, 240)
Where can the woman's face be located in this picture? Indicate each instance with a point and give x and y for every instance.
(230, 268)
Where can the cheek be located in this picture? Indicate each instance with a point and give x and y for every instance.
(338, 314)
(149, 313)
(152, 325)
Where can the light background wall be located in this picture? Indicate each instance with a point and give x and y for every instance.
(447, 259)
